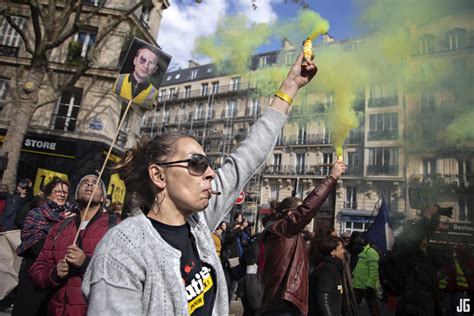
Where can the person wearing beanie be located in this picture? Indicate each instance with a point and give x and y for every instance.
(61, 264)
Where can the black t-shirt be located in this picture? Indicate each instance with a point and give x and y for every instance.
(198, 277)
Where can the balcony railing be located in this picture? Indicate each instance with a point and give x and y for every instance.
(383, 135)
(353, 170)
(317, 170)
(383, 101)
(350, 204)
(439, 179)
(310, 139)
(380, 170)
(197, 93)
(9, 51)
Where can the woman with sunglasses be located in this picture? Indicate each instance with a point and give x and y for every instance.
(163, 261)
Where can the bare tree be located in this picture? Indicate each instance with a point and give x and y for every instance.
(53, 23)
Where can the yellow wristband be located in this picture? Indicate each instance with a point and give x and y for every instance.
(285, 97)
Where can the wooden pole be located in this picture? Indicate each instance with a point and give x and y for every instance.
(102, 170)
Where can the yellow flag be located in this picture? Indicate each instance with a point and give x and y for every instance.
(116, 189)
(44, 176)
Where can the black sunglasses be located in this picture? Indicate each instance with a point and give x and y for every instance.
(197, 164)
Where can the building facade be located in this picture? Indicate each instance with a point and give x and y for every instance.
(382, 159)
(72, 136)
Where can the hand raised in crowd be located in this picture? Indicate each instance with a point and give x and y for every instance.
(338, 169)
(62, 268)
(75, 256)
(300, 74)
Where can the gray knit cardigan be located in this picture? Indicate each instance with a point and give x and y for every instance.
(134, 271)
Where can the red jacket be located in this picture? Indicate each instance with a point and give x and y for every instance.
(67, 298)
(285, 276)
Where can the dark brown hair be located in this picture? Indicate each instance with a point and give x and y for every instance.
(288, 204)
(328, 244)
(133, 169)
(48, 189)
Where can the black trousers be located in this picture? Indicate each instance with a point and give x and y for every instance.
(370, 296)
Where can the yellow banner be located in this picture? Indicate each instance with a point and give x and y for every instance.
(116, 189)
(44, 176)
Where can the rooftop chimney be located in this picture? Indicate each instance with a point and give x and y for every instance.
(193, 63)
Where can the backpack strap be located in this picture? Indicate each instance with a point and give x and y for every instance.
(112, 221)
(64, 223)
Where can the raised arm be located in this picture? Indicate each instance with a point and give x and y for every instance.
(295, 222)
(242, 164)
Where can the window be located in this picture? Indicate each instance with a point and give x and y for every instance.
(429, 167)
(383, 161)
(299, 163)
(162, 95)
(426, 44)
(81, 45)
(263, 61)
(198, 114)
(4, 87)
(301, 134)
(166, 116)
(215, 87)
(353, 165)
(145, 15)
(387, 193)
(351, 198)
(235, 84)
(359, 224)
(466, 208)
(254, 107)
(289, 59)
(177, 76)
(327, 161)
(193, 74)
(383, 126)
(274, 191)
(204, 89)
(230, 109)
(67, 109)
(276, 163)
(94, 3)
(427, 102)
(210, 110)
(173, 95)
(187, 92)
(355, 46)
(9, 37)
(382, 95)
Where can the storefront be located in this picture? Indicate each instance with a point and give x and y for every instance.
(45, 156)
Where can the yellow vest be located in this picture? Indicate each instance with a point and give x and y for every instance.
(123, 87)
(460, 278)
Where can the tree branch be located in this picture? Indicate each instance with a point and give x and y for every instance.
(66, 33)
(20, 32)
(35, 12)
(114, 24)
(49, 25)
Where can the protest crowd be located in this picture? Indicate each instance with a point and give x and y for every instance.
(173, 253)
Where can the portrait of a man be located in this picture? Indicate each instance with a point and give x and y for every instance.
(143, 69)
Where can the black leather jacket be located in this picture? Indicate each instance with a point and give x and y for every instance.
(325, 288)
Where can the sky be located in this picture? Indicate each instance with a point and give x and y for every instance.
(185, 21)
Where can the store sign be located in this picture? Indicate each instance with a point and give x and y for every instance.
(454, 233)
(116, 189)
(44, 176)
(45, 145)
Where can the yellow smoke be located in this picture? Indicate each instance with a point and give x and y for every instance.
(387, 58)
